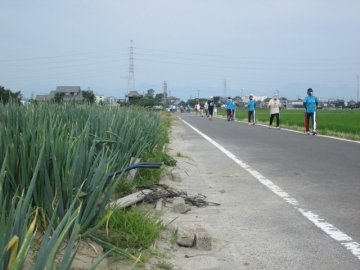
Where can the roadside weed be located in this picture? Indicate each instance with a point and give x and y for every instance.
(133, 228)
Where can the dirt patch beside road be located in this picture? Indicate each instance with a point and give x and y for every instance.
(202, 169)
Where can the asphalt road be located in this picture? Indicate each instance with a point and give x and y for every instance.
(320, 176)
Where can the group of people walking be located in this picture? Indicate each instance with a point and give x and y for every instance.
(274, 105)
(310, 103)
(208, 106)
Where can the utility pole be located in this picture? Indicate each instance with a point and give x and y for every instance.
(198, 93)
(165, 93)
(131, 77)
(225, 87)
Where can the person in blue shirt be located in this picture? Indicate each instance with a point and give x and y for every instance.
(251, 110)
(228, 103)
(311, 105)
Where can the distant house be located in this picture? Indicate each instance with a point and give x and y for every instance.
(336, 103)
(71, 93)
(99, 98)
(351, 103)
(223, 99)
(174, 101)
(132, 94)
(294, 104)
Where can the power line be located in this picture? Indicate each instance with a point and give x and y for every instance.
(57, 56)
(79, 65)
(247, 67)
(57, 62)
(247, 63)
(247, 57)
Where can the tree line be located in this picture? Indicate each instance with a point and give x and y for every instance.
(6, 96)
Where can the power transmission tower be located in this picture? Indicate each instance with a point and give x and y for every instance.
(131, 76)
(357, 88)
(165, 93)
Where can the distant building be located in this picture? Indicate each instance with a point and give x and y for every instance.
(131, 95)
(336, 103)
(173, 101)
(351, 103)
(293, 104)
(223, 99)
(99, 98)
(256, 98)
(71, 93)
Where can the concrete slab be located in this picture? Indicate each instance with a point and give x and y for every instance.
(131, 199)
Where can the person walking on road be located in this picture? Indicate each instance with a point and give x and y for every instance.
(228, 103)
(275, 106)
(251, 110)
(211, 106)
(233, 107)
(201, 108)
(311, 104)
(206, 108)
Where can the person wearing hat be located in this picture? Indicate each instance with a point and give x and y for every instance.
(251, 110)
(311, 104)
(211, 106)
(275, 106)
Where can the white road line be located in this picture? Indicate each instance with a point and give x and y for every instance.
(326, 227)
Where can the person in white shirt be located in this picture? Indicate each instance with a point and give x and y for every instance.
(275, 106)
(206, 108)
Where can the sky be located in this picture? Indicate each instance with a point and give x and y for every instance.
(200, 48)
